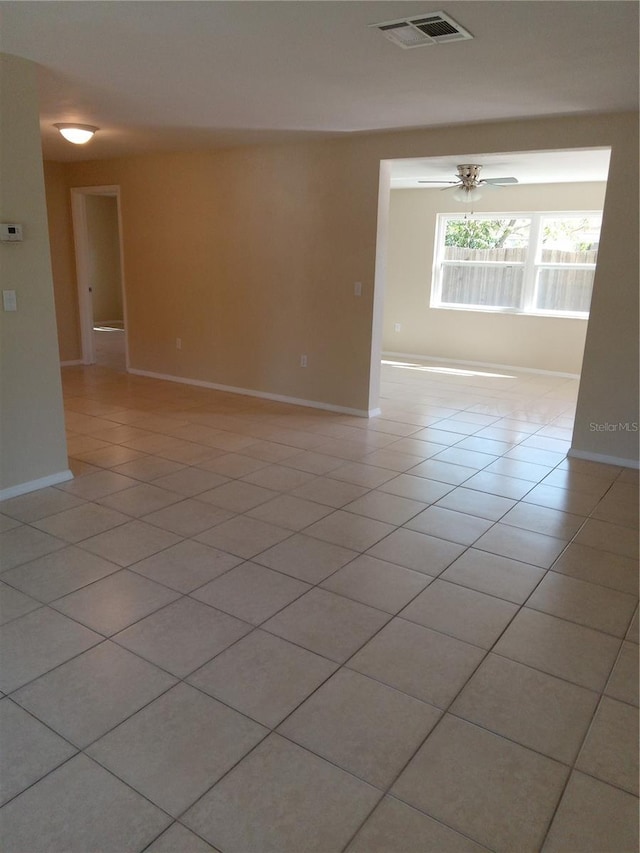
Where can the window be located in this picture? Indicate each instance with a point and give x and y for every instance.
(521, 263)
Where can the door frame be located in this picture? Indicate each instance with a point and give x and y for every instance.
(81, 244)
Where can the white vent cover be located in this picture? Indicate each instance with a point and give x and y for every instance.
(432, 28)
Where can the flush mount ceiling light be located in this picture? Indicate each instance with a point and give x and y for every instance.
(76, 133)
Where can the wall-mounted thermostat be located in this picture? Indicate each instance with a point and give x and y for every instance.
(10, 232)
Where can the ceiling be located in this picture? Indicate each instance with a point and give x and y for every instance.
(529, 167)
(177, 75)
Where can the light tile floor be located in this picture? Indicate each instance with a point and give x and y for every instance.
(256, 628)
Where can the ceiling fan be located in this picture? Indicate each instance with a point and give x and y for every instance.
(469, 182)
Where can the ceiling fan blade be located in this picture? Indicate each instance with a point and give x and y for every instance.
(499, 181)
(437, 182)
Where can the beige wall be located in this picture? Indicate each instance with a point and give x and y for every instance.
(228, 251)
(104, 258)
(63, 261)
(250, 256)
(32, 425)
(608, 398)
(539, 343)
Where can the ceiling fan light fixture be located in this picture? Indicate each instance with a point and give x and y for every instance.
(78, 134)
(467, 194)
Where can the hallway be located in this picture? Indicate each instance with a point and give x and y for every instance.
(109, 347)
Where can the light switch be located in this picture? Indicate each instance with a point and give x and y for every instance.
(9, 302)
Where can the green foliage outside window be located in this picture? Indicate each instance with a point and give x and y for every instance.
(485, 233)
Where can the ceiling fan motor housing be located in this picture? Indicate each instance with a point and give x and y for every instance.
(469, 174)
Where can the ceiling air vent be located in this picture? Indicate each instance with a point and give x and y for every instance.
(433, 28)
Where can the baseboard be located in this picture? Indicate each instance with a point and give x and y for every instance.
(418, 357)
(264, 395)
(604, 459)
(33, 485)
(71, 363)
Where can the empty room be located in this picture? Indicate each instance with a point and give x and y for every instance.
(319, 420)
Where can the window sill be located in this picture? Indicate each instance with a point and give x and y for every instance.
(479, 309)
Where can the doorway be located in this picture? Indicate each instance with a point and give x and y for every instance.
(416, 199)
(101, 287)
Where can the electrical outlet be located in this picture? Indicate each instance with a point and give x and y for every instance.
(303, 360)
(357, 288)
(178, 343)
(396, 327)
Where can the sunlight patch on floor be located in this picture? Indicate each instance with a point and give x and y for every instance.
(452, 371)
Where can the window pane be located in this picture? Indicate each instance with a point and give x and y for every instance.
(570, 239)
(493, 287)
(486, 239)
(564, 290)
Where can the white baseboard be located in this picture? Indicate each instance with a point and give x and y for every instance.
(33, 485)
(249, 392)
(71, 363)
(603, 458)
(418, 357)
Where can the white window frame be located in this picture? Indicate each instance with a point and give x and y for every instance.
(532, 265)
